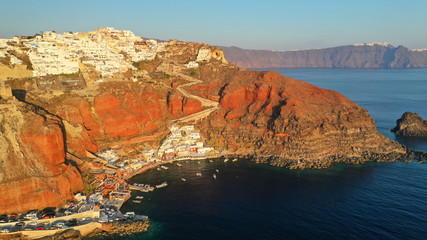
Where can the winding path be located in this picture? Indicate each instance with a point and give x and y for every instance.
(205, 102)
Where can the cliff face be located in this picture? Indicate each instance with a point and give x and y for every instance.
(410, 124)
(292, 123)
(263, 115)
(33, 169)
(365, 56)
(117, 112)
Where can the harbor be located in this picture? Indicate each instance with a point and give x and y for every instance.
(112, 188)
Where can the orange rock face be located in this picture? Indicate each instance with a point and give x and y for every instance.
(191, 106)
(174, 104)
(292, 120)
(181, 105)
(128, 115)
(38, 176)
(118, 122)
(76, 111)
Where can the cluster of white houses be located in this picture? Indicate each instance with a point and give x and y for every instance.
(107, 49)
(130, 165)
(184, 142)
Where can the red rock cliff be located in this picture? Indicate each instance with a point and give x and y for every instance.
(34, 172)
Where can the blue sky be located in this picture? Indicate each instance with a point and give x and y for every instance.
(264, 24)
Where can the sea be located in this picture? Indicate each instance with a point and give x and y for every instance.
(256, 201)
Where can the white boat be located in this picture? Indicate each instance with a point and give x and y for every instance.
(164, 184)
(158, 169)
(211, 161)
(217, 170)
(136, 201)
(186, 161)
(179, 165)
(139, 197)
(183, 179)
(214, 176)
(198, 162)
(141, 187)
(198, 174)
(235, 160)
(226, 160)
(164, 167)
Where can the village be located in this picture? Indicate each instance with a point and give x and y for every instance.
(107, 54)
(52, 53)
(112, 189)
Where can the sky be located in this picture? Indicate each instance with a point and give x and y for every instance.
(262, 24)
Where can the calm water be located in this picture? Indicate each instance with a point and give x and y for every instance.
(249, 201)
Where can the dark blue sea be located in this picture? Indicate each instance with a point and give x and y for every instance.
(250, 201)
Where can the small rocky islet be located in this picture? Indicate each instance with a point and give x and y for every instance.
(411, 125)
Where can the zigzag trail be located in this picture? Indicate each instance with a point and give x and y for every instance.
(205, 102)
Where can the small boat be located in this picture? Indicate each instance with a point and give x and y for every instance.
(226, 160)
(217, 170)
(198, 162)
(183, 179)
(139, 197)
(158, 169)
(211, 161)
(136, 201)
(179, 165)
(214, 176)
(186, 161)
(164, 184)
(235, 160)
(164, 167)
(198, 174)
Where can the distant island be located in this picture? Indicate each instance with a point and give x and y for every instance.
(368, 55)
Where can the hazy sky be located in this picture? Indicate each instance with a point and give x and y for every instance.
(263, 24)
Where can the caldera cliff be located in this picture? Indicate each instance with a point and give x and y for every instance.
(47, 141)
(33, 170)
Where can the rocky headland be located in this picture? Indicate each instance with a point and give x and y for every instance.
(286, 122)
(411, 125)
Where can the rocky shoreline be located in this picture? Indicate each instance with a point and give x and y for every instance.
(301, 164)
(118, 230)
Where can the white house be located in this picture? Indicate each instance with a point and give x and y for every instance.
(192, 64)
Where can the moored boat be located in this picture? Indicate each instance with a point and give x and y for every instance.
(163, 184)
(214, 176)
(183, 179)
(198, 174)
(136, 201)
(164, 167)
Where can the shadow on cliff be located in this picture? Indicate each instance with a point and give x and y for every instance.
(388, 58)
(21, 95)
(275, 114)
